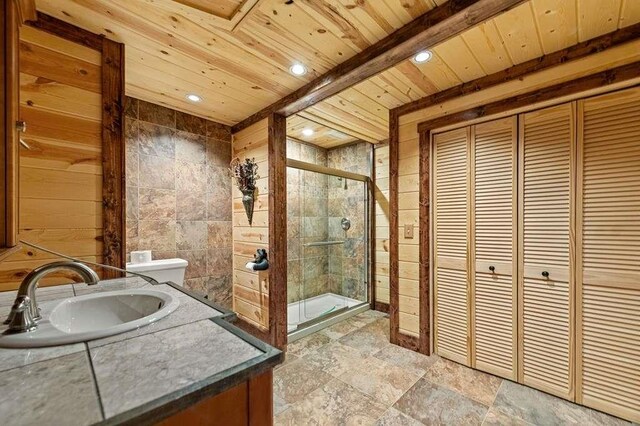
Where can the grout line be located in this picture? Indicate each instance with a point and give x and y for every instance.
(95, 379)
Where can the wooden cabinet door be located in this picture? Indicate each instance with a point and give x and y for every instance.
(451, 283)
(493, 250)
(546, 249)
(608, 256)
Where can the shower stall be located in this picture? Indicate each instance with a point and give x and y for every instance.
(328, 238)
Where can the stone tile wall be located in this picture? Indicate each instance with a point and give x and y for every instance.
(316, 204)
(347, 200)
(307, 219)
(179, 193)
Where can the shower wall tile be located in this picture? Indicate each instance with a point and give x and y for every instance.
(178, 193)
(347, 200)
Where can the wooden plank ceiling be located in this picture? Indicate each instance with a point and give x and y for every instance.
(324, 136)
(532, 29)
(173, 49)
(238, 58)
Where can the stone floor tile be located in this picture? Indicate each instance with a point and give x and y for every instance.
(546, 410)
(474, 384)
(370, 338)
(288, 358)
(297, 379)
(437, 405)
(406, 358)
(307, 345)
(336, 358)
(393, 417)
(347, 326)
(497, 418)
(336, 403)
(380, 380)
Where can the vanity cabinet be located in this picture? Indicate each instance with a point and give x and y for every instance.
(247, 404)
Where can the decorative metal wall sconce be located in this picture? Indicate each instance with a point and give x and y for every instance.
(246, 176)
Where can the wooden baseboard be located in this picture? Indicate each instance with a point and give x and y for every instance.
(382, 307)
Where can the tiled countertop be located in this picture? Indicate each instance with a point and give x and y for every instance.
(138, 377)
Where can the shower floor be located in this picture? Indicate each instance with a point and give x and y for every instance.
(314, 307)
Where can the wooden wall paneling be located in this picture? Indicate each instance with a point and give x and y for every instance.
(113, 157)
(64, 174)
(547, 223)
(608, 246)
(251, 290)
(278, 229)
(381, 226)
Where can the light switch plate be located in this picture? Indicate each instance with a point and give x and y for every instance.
(408, 231)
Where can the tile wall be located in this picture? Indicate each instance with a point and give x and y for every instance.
(316, 204)
(179, 193)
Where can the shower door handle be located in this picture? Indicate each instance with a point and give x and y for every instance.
(323, 243)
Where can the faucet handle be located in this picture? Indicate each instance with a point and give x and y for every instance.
(20, 318)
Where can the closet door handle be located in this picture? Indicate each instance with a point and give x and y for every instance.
(545, 274)
(492, 268)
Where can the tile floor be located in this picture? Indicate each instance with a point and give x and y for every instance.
(349, 374)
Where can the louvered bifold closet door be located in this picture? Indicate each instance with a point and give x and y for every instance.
(608, 275)
(494, 225)
(451, 319)
(546, 216)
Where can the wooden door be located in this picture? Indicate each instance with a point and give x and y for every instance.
(493, 246)
(608, 270)
(546, 249)
(451, 283)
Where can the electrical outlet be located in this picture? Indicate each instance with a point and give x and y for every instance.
(408, 231)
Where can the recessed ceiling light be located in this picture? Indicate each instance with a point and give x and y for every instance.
(298, 69)
(307, 132)
(194, 98)
(423, 56)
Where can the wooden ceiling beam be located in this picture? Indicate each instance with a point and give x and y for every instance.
(571, 53)
(430, 29)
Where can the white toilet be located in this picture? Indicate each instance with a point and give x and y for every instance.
(162, 270)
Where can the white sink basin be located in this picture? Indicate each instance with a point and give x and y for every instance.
(82, 318)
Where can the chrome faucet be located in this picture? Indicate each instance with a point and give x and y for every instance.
(25, 312)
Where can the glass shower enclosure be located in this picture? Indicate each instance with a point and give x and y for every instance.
(328, 237)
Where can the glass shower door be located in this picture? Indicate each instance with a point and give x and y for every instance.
(328, 239)
(336, 258)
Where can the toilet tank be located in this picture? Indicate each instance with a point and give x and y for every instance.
(162, 270)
